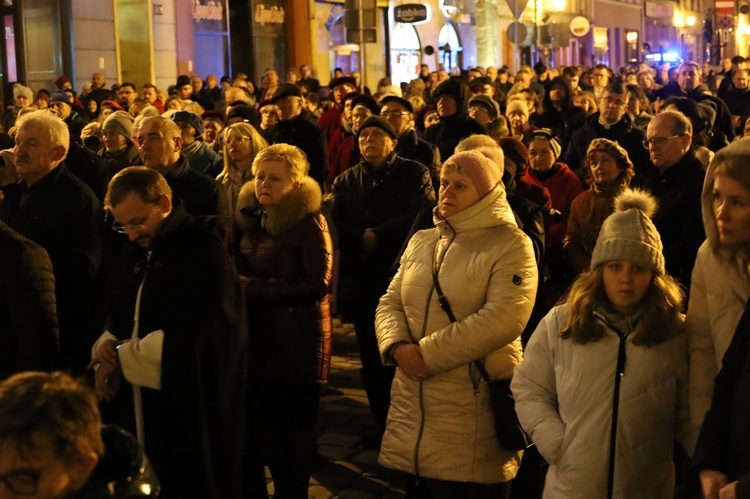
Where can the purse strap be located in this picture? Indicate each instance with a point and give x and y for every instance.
(446, 306)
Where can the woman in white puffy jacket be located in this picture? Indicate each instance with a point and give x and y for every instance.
(440, 423)
(603, 386)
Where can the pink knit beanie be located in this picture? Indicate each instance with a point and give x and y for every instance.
(482, 172)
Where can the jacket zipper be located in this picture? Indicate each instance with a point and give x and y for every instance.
(421, 398)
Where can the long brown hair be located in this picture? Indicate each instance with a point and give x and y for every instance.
(662, 310)
(735, 168)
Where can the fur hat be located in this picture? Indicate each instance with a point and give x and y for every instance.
(120, 122)
(191, 118)
(480, 169)
(378, 122)
(452, 88)
(59, 96)
(516, 151)
(488, 103)
(629, 233)
(517, 105)
(554, 143)
(20, 90)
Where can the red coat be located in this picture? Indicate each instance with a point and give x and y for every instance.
(563, 187)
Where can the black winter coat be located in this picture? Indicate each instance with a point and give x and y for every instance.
(28, 316)
(300, 132)
(623, 132)
(563, 121)
(409, 146)
(679, 221)
(386, 200)
(202, 195)
(450, 131)
(191, 291)
(61, 214)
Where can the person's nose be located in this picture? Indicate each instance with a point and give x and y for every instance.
(722, 212)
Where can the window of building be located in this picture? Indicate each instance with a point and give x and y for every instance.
(406, 53)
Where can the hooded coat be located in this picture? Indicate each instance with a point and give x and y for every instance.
(442, 427)
(718, 295)
(562, 121)
(285, 258)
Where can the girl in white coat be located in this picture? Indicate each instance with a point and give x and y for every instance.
(602, 389)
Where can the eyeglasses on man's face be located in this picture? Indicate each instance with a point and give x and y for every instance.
(658, 141)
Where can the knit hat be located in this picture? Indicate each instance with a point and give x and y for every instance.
(488, 103)
(554, 143)
(378, 122)
(395, 98)
(191, 118)
(182, 80)
(60, 97)
(629, 234)
(120, 122)
(61, 82)
(452, 88)
(20, 90)
(613, 149)
(480, 169)
(114, 106)
(516, 151)
(517, 105)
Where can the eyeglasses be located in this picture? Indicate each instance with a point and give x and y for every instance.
(388, 114)
(22, 482)
(126, 228)
(479, 109)
(658, 141)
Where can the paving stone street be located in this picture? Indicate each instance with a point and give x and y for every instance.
(345, 468)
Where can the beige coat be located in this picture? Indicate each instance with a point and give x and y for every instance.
(443, 427)
(718, 294)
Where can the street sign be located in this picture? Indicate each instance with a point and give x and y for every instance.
(517, 7)
(412, 13)
(579, 26)
(517, 31)
(724, 6)
(726, 22)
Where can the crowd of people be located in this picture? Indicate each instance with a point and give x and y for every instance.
(582, 232)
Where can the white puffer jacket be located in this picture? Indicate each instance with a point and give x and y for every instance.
(564, 398)
(440, 428)
(718, 294)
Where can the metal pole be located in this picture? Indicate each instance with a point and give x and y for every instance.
(515, 36)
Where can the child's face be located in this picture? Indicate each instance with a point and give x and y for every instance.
(625, 284)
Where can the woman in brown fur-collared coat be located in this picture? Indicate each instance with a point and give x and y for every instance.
(285, 258)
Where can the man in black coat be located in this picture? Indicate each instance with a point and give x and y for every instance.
(294, 129)
(560, 115)
(399, 112)
(675, 177)
(455, 123)
(28, 316)
(738, 99)
(53, 208)
(374, 205)
(611, 122)
(160, 142)
(183, 358)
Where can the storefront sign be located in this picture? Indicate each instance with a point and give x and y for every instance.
(659, 10)
(579, 26)
(601, 38)
(411, 13)
(269, 14)
(210, 12)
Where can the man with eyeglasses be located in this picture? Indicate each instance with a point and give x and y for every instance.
(611, 122)
(56, 210)
(170, 363)
(295, 129)
(53, 444)
(600, 76)
(675, 177)
(160, 143)
(399, 112)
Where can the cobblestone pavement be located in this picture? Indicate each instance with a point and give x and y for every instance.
(345, 468)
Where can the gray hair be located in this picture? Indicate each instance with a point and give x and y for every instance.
(58, 130)
(171, 130)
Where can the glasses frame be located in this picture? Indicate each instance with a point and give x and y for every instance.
(659, 141)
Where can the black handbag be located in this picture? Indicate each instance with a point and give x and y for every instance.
(509, 432)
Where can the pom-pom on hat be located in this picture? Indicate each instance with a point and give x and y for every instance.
(629, 234)
(546, 133)
(481, 170)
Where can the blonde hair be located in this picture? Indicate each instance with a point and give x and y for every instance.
(293, 157)
(257, 143)
(662, 310)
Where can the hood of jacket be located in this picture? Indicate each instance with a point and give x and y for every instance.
(295, 206)
(547, 102)
(491, 211)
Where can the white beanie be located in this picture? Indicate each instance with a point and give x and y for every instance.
(629, 234)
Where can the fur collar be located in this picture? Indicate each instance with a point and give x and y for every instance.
(296, 205)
